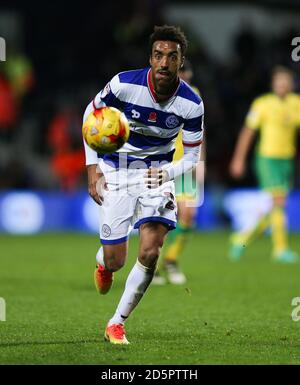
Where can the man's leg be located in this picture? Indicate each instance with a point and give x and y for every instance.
(115, 215)
(110, 258)
(176, 242)
(177, 238)
(281, 252)
(239, 241)
(152, 235)
(187, 190)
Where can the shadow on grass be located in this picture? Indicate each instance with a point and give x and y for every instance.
(32, 343)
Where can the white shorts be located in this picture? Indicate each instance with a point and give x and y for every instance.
(128, 203)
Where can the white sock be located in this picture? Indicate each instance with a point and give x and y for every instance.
(100, 257)
(137, 283)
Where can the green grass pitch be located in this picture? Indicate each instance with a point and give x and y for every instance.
(227, 313)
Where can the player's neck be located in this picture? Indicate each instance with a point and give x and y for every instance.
(282, 96)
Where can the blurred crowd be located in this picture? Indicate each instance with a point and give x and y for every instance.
(67, 57)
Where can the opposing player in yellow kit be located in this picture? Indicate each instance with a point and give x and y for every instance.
(187, 194)
(276, 116)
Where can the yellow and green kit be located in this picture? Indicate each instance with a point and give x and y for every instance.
(277, 120)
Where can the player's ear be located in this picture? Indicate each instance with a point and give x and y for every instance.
(182, 61)
(150, 60)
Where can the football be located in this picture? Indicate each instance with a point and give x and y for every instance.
(106, 130)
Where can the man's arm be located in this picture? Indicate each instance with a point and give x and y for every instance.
(238, 163)
(155, 177)
(188, 162)
(200, 168)
(96, 183)
(192, 137)
(253, 121)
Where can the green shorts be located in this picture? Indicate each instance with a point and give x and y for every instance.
(274, 174)
(186, 187)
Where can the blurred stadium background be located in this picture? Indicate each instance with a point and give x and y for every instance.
(58, 56)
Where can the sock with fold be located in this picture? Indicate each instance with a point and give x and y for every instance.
(100, 257)
(136, 285)
(279, 231)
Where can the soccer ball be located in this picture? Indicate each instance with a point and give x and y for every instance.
(106, 130)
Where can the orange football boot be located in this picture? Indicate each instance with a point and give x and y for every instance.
(115, 334)
(103, 279)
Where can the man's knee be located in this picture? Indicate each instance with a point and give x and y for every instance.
(149, 255)
(114, 260)
(152, 237)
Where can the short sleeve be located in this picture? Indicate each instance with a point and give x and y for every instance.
(254, 117)
(110, 95)
(192, 131)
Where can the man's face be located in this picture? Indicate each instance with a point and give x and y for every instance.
(165, 62)
(282, 84)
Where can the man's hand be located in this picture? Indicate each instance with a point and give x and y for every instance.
(237, 168)
(155, 177)
(96, 183)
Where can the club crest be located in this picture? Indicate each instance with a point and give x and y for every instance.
(172, 121)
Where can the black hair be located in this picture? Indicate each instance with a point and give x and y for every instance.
(171, 33)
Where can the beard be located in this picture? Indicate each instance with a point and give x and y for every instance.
(166, 86)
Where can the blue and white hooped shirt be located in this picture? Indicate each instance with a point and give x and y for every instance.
(154, 125)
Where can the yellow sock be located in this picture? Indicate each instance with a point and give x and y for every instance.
(279, 231)
(176, 242)
(175, 249)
